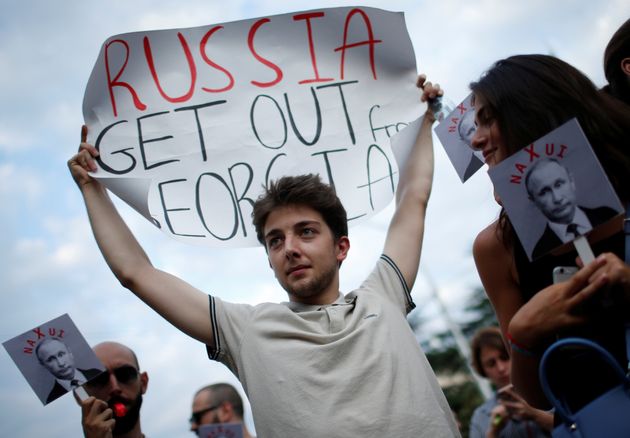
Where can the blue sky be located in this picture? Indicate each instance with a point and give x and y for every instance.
(49, 264)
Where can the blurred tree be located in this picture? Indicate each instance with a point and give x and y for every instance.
(481, 312)
(450, 366)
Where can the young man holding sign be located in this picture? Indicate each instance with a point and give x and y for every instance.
(323, 364)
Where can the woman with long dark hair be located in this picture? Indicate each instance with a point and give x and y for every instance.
(517, 101)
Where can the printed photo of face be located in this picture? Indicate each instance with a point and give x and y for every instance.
(552, 190)
(55, 356)
(466, 127)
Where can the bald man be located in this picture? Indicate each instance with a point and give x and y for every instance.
(113, 408)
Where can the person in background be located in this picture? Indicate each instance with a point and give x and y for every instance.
(215, 404)
(505, 414)
(113, 408)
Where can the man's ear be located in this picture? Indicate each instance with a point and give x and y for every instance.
(342, 247)
(144, 381)
(625, 66)
(226, 412)
(529, 195)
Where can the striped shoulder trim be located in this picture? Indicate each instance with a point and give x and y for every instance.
(403, 283)
(214, 352)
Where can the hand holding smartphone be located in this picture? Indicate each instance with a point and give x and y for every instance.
(563, 273)
(505, 393)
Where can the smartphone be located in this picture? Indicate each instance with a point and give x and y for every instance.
(504, 396)
(504, 393)
(563, 273)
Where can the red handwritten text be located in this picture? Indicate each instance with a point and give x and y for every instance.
(534, 152)
(51, 331)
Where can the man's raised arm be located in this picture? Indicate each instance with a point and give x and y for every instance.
(177, 301)
(403, 243)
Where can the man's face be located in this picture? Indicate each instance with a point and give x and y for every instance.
(205, 411)
(303, 253)
(552, 190)
(496, 365)
(127, 390)
(56, 358)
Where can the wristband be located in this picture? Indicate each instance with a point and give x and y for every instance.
(519, 348)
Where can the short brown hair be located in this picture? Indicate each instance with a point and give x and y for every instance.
(307, 190)
(485, 337)
(224, 392)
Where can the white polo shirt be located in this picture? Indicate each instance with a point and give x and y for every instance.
(349, 369)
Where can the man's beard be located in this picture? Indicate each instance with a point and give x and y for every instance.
(315, 285)
(126, 423)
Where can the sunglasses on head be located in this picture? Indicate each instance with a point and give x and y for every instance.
(124, 374)
(196, 416)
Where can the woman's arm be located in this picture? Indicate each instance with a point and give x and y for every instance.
(496, 268)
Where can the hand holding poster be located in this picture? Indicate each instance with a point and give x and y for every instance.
(192, 123)
(54, 358)
(555, 190)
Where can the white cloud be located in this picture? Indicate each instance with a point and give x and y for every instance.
(195, 14)
(49, 262)
(19, 186)
(67, 255)
(11, 140)
(63, 116)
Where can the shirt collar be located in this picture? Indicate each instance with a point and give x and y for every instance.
(579, 218)
(78, 376)
(301, 307)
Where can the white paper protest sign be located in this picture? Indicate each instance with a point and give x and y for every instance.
(192, 123)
